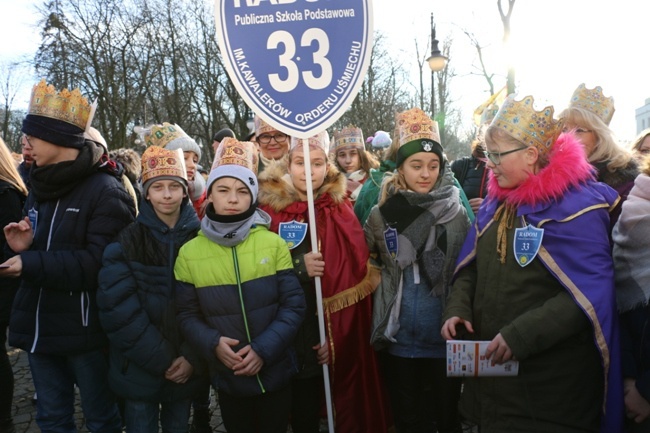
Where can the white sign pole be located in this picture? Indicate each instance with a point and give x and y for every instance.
(299, 65)
(319, 291)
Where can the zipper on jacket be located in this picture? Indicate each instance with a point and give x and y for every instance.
(37, 321)
(243, 308)
(40, 293)
(85, 308)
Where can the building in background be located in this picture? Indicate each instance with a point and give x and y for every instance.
(643, 116)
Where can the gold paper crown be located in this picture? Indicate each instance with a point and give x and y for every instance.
(261, 127)
(70, 107)
(320, 140)
(485, 112)
(593, 101)
(157, 162)
(415, 124)
(350, 136)
(520, 120)
(234, 152)
(162, 135)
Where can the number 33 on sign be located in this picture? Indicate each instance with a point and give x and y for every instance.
(298, 63)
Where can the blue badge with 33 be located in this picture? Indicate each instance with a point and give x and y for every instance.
(527, 242)
(390, 237)
(293, 233)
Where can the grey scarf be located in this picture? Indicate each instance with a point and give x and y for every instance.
(233, 233)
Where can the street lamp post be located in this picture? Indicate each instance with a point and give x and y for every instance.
(437, 62)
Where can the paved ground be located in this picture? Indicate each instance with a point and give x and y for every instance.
(25, 410)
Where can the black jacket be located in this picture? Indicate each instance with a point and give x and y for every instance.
(11, 204)
(472, 176)
(55, 309)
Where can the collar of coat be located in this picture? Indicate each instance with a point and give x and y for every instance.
(277, 190)
(568, 167)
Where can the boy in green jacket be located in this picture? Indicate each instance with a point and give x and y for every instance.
(239, 300)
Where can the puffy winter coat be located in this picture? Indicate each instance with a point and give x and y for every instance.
(248, 292)
(137, 309)
(55, 310)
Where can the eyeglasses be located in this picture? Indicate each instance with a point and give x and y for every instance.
(26, 137)
(495, 157)
(266, 138)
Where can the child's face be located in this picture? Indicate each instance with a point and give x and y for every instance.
(166, 197)
(191, 159)
(229, 196)
(297, 170)
(421, 171)
(348, 159)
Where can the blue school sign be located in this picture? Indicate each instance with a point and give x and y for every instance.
(298, 63)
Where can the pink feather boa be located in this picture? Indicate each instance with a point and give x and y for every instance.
(568, 167)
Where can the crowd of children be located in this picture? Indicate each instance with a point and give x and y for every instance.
(211, 282)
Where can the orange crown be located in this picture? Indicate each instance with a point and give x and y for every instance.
(234, 152)
(157, 162)
(415, 124)
(350, 136)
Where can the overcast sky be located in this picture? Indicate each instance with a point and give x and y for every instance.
(557, 45)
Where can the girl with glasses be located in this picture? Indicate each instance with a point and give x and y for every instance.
(535, 279)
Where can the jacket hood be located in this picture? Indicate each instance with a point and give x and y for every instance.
(277, 190)
(568, 167)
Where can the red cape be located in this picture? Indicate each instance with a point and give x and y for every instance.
(358, 394)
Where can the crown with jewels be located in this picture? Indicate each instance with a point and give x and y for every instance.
(68, 106)
(520, 120)
(162, 135)
(320, 140)
(157, 162)
(593, 101)
(415, 124)
(350, 136)
(234, 152)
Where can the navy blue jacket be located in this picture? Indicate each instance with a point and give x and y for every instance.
(137, 308)
(55, 310)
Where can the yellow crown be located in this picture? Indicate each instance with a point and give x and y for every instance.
(346, 137)
(234, 152)
(157, 162)
(593, 101)
(520, 120)
(162, 135)
(70, 107)
(320, 140)
(415, 124)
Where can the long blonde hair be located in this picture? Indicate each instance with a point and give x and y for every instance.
(8, 170)
(606, 148)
